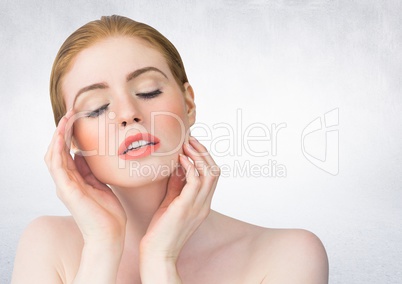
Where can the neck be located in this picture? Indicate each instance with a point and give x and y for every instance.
(140, 204)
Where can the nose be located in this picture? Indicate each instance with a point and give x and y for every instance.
(124, 123)
(128, 112)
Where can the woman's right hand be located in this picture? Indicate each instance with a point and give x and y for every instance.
(95, 208)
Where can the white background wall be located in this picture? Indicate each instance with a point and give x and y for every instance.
(277, 61)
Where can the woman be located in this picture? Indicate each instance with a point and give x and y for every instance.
(139, 187)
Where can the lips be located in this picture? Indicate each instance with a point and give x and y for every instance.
(138, 146)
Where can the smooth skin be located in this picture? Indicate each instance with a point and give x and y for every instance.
(138, 230)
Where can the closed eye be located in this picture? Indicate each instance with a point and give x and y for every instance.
(98, 111)
(150, 95)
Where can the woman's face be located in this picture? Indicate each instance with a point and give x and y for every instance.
(121, 88)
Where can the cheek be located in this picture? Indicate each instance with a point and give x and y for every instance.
(173, 124)
(87, 135)
(90, 139)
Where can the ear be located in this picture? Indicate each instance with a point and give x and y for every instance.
(190, 104)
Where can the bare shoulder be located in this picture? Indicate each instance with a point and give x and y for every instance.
(272, 255)
(50, 232)
(50, 226)
(293, 256)
(41, 249)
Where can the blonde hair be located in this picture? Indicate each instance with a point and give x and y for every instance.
(97, 30)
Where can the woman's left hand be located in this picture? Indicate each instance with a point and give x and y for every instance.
(186, 205)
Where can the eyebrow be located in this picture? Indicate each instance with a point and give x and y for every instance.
(138, 72)
(129, 77)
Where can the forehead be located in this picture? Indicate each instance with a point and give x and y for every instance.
(110, 61)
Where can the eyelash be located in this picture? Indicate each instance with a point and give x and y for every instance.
(150, 95)
(145, 96)
(98, 111)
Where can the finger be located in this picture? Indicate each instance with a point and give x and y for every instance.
(67, 128)
(200, 148)
(72, 117)
(205, 164)
(211, 172)
(193, 182)
(208, 197)
(203, 151)
(61, 160)
(175, 185)
(67, 159)
(63, 121)
(66, 180)
(59, 129)
(57, 166)
(201, 199)
(82, 166)
(200, 163)
(85, 172)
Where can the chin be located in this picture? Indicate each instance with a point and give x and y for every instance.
(137, 173)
